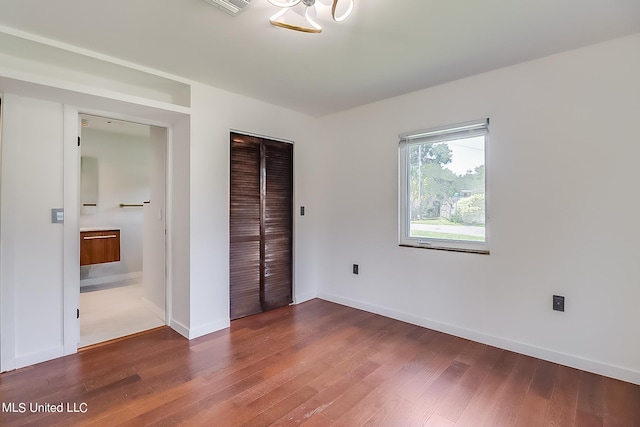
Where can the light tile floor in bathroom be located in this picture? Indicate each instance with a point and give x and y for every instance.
(115, 312)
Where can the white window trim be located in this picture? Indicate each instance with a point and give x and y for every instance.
(433, 135)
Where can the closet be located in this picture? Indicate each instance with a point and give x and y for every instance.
(260, 225)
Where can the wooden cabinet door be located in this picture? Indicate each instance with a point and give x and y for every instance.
(260, 225)
(97, 247)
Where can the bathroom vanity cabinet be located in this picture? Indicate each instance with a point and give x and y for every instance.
(99, 246)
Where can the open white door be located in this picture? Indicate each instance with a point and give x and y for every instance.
(154, 224)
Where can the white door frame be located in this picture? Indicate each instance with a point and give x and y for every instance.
(71, 250)
(71, 102)
(71, 243)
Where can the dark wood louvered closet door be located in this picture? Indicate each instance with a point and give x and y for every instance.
(244, 227)
(277, 220)
(261, 222)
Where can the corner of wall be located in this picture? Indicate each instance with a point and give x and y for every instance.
(191, 333)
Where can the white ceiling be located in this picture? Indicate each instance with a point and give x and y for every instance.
(386, 48)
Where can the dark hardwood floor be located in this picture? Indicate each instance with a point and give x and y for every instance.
(317, 364)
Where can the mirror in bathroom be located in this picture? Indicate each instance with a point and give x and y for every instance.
(88, 185)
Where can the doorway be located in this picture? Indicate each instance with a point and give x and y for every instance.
(260, 225)
(122, 204)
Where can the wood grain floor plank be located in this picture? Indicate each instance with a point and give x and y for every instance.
(327, 395)
(420, 372)
(404, 413)
(436, 420)
(590, 404)
(369, 406)
(538, 396)
(317, 420)
(280, 409)
(479, 408)
(562, 408)
(247, 406)
(385, 408)
(146, 404)
(532, 411)
(431, 399)
(544, 379)
(621, 403)
(329, 352)
(481, 359)
(391, 359)
(314, 364)
(507, 407)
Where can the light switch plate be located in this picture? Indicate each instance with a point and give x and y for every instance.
(57, 216)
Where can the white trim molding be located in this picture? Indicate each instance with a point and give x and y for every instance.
(572, 361)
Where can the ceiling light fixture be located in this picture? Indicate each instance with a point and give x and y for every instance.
(307, 9)
(232, 7)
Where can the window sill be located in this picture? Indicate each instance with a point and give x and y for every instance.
(440, 248)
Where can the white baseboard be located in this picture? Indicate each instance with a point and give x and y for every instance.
(38, 357)
(518, 347)
(299, 299)
(209, 328)
(191, 333)
(179, 328)
(110, 279)
(154, 308)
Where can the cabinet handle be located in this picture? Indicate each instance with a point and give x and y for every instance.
(108, 236)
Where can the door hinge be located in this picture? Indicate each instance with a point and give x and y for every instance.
(77, 313)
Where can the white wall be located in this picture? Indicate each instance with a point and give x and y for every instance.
(39, 283)
(561, 153)
(562, 171)
(214, 114)
(31, 262)
(198, 230)
(124, 170)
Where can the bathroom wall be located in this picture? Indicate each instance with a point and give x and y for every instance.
(123, 177)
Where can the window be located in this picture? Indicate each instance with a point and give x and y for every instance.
(443, 194)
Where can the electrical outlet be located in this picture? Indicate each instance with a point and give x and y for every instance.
(355, 269)
(301, 210)
(558, 303)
